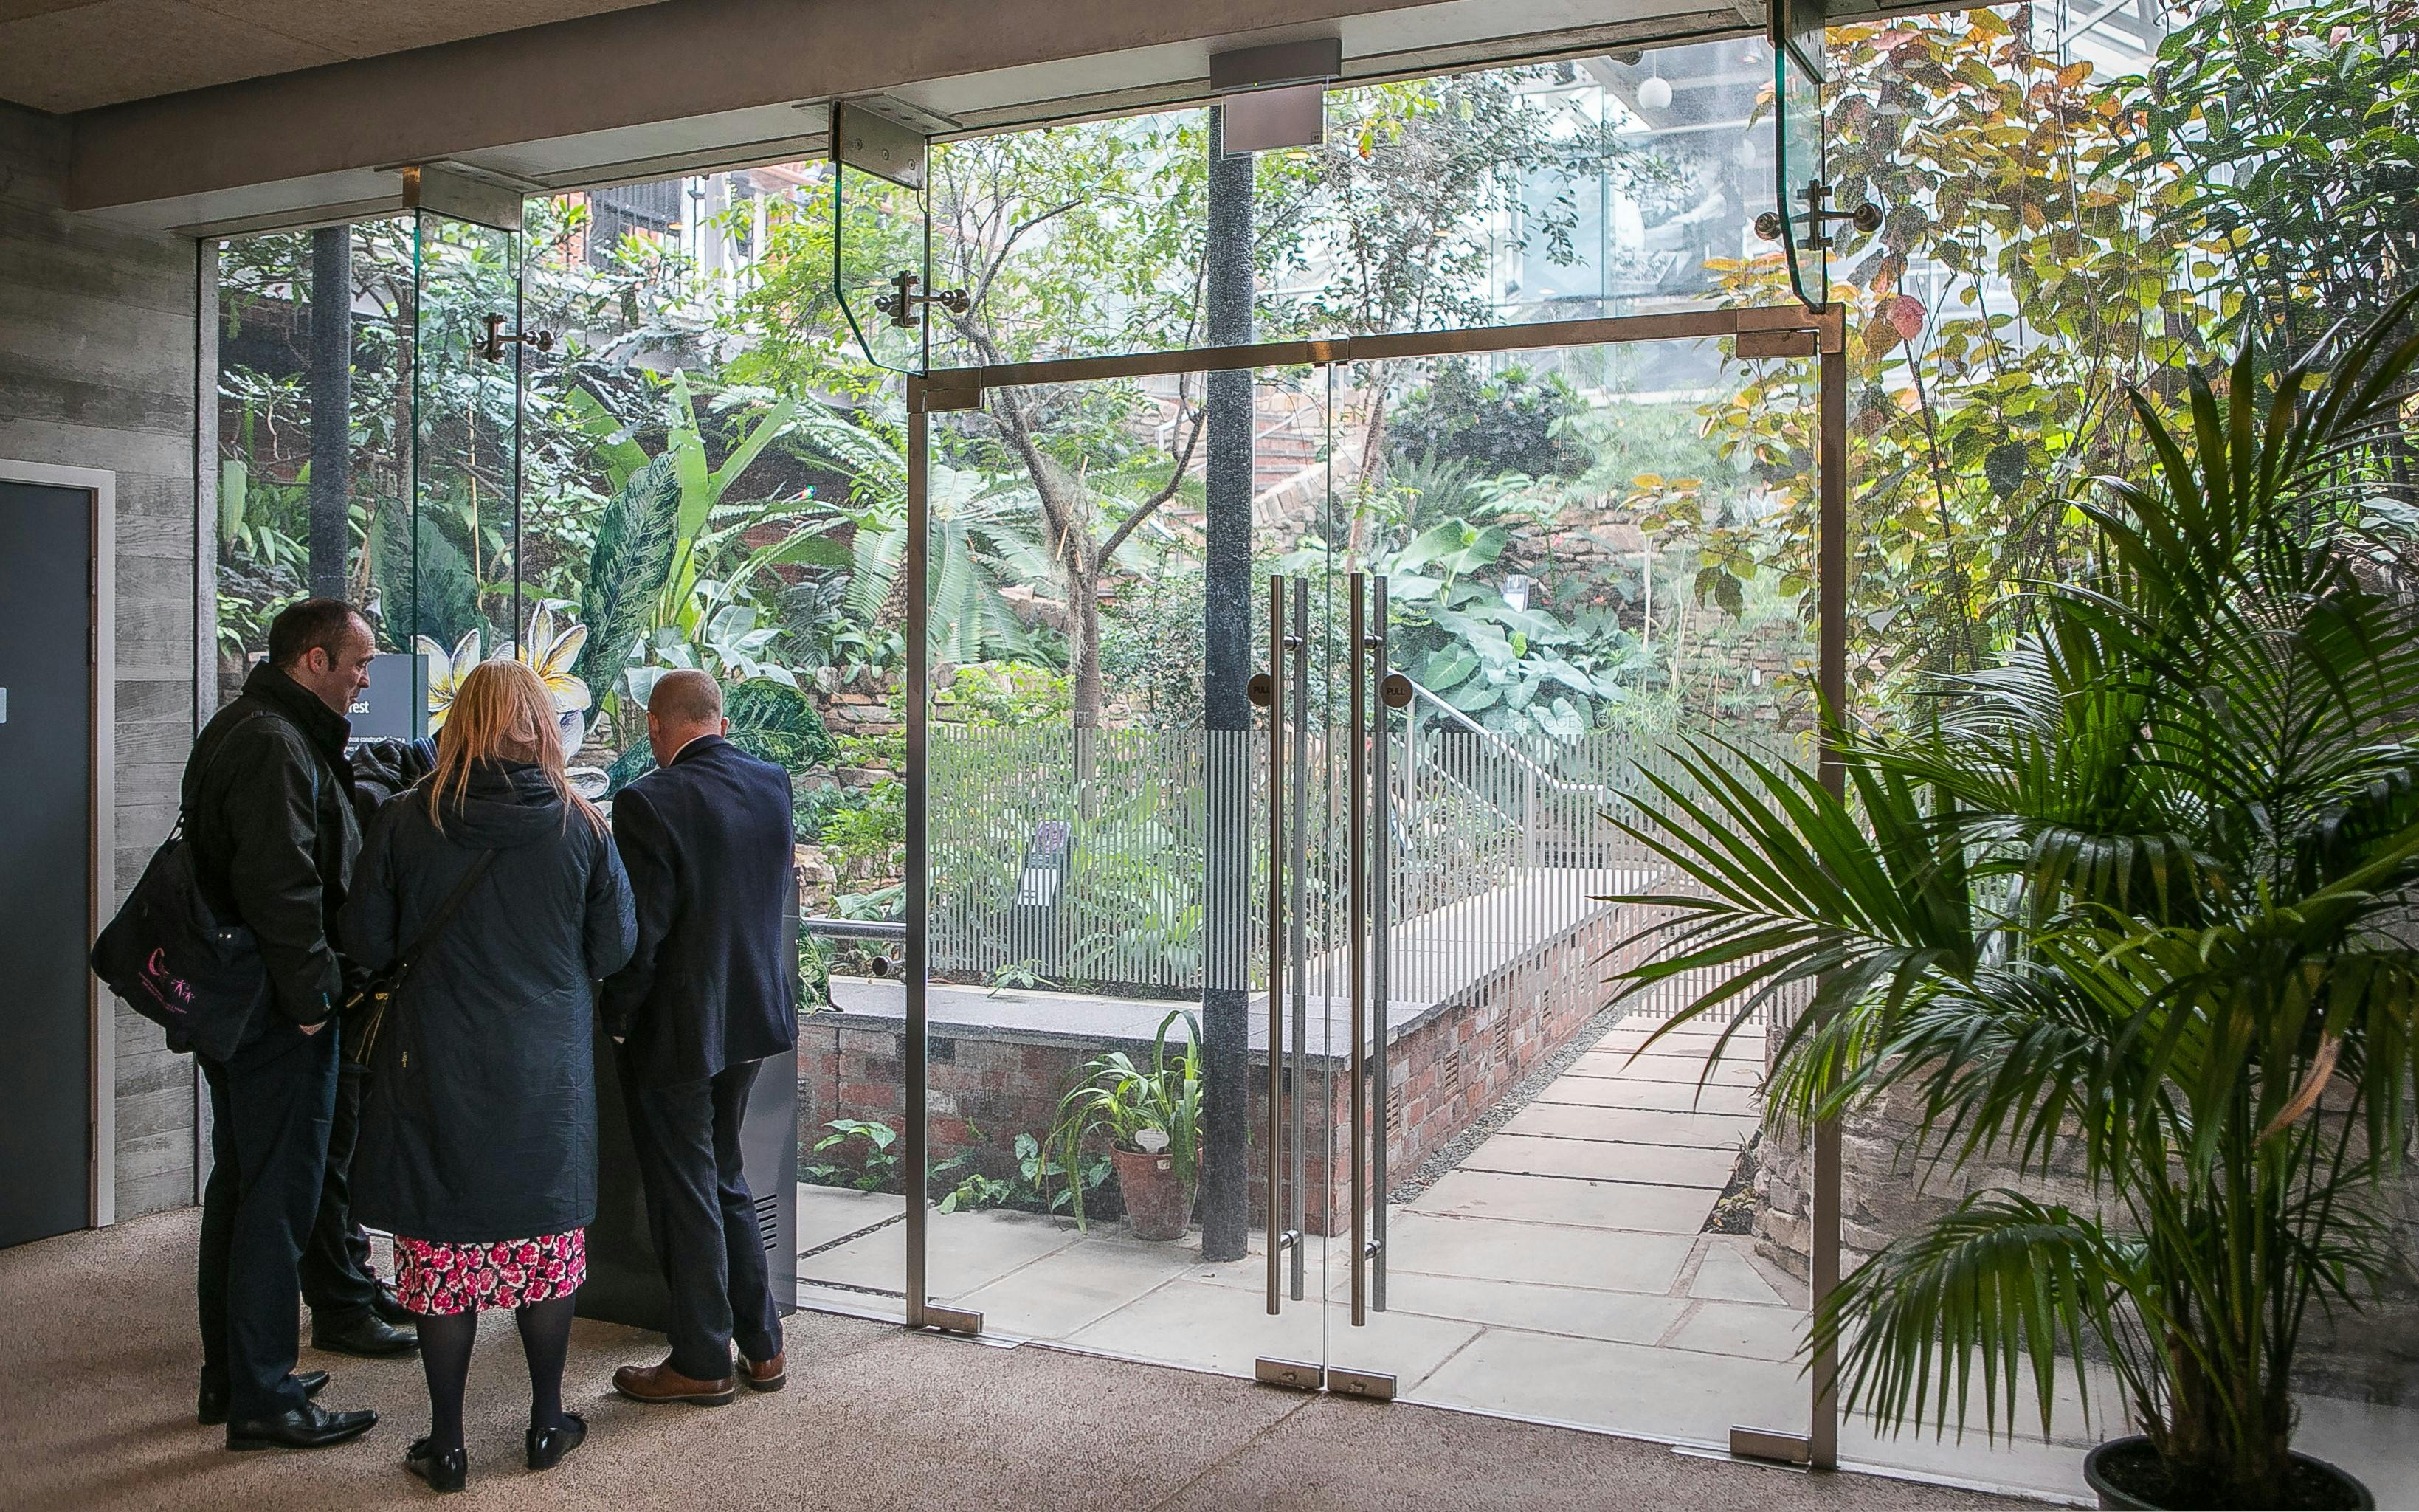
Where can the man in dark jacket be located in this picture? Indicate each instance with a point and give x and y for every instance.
(352, 1311)
(269, 813)
(709, 995)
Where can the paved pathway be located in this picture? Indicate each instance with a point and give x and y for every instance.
(1558, 1274)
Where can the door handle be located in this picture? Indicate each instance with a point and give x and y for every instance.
(1267, 689)
(1380, 931)
(1356, 851)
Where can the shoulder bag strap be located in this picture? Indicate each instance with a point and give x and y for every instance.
(438, 921)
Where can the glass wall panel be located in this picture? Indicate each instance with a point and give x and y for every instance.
(302, 508)
(466, 595)
(1603, 186)
(1098, 914)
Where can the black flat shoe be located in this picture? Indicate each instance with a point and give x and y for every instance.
(546, 1446)
(307, 1426)
(443, 1472)
(367, 1337)
(211, 1406)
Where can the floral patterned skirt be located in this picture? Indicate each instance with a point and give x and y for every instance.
(435, 1279)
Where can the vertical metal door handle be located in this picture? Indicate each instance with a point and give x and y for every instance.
(1270, 688)
(1356, 853)
(1382, 935)
(1298, 1211)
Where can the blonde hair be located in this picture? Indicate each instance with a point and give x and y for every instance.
(501, 712)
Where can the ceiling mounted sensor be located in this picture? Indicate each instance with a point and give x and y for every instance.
(883, 137)
(1276, 96)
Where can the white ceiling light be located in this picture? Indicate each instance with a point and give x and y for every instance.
(1655, 93)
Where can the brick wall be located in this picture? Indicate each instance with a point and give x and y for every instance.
(1445, 1068)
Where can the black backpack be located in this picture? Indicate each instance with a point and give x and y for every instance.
(177, 961)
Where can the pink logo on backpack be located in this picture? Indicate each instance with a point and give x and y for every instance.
(171, 992)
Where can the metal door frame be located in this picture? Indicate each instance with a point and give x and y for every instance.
(100, 487)
(1764, 331)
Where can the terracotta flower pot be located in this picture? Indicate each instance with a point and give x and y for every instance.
(2115, 1471)
(1158, 1206)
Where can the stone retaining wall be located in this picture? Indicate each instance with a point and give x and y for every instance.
(2371, 1356)
(1445, 1068)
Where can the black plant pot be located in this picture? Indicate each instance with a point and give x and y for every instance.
(2321, 1485)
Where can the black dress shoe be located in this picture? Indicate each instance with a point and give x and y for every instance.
(444, 1470)
(211, 1407)
(546, 1446)
(368, 1336)
(389, 1309)
(307, 1426)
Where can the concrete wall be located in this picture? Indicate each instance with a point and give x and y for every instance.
(98, 369)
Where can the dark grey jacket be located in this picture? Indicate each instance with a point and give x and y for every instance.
(715, 979)
(269, 812)
(479, 1117)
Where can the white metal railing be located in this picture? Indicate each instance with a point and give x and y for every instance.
(1496, 845)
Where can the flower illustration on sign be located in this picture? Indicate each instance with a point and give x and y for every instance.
(543, 650)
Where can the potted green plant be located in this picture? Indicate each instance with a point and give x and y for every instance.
(2135, 900)
(1152, 1116)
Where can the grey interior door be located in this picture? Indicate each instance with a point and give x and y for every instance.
(45, 846)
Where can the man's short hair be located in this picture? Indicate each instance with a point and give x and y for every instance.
(323, 623)
(685, 697)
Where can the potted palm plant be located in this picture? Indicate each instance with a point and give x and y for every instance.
(1152, 1116)
(2137, 898)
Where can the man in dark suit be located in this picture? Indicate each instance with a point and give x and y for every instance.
(710, 994)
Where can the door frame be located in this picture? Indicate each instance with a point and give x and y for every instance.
(100, 486)
(1791, 330)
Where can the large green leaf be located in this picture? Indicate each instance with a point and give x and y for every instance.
(629, 566)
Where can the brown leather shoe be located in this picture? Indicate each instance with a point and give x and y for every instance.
(766, 1375)
(662, 1383)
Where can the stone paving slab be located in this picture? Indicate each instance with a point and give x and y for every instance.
(1652, 1067)
(1754, 1330)
(1064, 1290)
(1200, 1325)
(1625, 1316)
(1728, 1272)
(1637, 1126)
(1670, 1097)
(964, 1251)
(1603, 1161)
(1627, 1388)
(1428, 1244)
(829, 1212)
(1555, 1200)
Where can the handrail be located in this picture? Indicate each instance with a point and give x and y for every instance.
(1510, 749)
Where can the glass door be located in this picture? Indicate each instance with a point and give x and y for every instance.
(466, 358)
(1084, 1019)
(1555, 1200)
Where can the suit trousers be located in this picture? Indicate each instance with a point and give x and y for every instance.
(336, 1279)
(270, 1103)
(702, 1219)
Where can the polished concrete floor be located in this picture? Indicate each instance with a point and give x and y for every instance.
(98, 1358)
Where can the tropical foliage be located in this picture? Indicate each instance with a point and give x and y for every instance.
(2131, 906)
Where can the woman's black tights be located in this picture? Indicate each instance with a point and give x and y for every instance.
(446, 1340)
(445, 1343)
